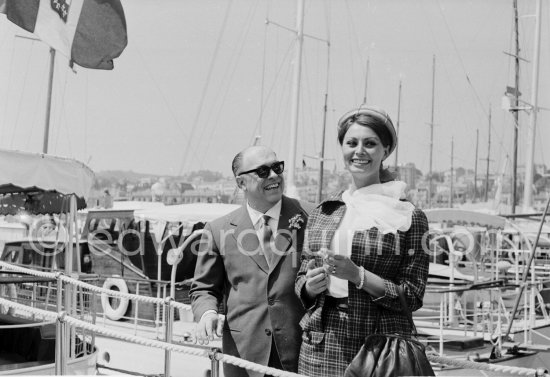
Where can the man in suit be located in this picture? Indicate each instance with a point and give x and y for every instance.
(248, 260)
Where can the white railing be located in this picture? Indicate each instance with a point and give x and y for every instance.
(65, 323)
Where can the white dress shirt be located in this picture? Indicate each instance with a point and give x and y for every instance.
(256, 217)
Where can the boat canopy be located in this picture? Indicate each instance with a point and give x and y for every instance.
(136, 205)
(45, 184)
(188, 213)
(451, 217)
(23, 172)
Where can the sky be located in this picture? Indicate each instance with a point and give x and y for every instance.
(202, 79)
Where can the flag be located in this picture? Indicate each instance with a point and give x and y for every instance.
(90, 33)
(512, 91)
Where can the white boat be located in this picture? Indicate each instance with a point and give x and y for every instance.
(132, 244)
(29, 346)
(477, 265)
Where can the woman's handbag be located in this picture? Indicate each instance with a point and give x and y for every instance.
(391, 355)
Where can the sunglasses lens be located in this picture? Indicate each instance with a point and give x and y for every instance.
(263, 171)
(278, 167)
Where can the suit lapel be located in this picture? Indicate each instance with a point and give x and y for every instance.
(250, 243)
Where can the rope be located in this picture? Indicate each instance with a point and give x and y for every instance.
(150, 342)
(465, 364)
(93, 288)
(244, 363)
(254, 367)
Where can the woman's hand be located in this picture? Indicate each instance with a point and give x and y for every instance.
(342, 267)
(316, 279)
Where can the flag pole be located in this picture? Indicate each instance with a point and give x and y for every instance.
(49, 102)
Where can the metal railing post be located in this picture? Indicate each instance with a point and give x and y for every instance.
(59, 293)
(60, 346)
(441, 320)
(214, 362)
(174, 257)
(136, 305)
(168, 334)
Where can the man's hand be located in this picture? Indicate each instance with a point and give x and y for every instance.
(316, 279)
(209, 325)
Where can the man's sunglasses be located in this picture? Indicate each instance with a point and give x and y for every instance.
(263, 171)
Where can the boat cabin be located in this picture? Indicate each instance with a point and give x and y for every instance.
(45, 255)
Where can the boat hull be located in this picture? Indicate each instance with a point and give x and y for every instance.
(82, 366)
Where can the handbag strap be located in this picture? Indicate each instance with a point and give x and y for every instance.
(406, 309)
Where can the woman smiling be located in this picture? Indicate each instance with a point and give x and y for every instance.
(364, 244)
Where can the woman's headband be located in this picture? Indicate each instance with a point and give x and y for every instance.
(374, 112)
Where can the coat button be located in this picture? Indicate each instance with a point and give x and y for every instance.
(268, 332)
(270, 302)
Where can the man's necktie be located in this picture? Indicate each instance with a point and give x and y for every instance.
(267, 238)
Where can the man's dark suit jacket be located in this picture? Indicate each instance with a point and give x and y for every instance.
(260, 303)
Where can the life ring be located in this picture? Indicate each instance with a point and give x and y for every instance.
(116, 313)
(8, 291)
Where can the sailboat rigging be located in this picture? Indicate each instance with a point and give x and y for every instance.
(532, 108)
(430, 173)
(516, 103)
(397, 123)
(291, 189)
(529, 160)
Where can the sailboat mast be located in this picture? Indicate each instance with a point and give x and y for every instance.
(49, 102)
(398, 119)
(488, 158)
(322, 157)
(529, 160)
(516, 112)
(475, 165)
(451, 191)
(292, 191)
(366, 83)
(431, 135)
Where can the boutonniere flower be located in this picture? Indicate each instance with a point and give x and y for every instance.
(296, 222)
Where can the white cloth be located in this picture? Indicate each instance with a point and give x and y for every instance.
(340, 245)
(377, 205)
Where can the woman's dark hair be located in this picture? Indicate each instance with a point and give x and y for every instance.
(378, 125)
